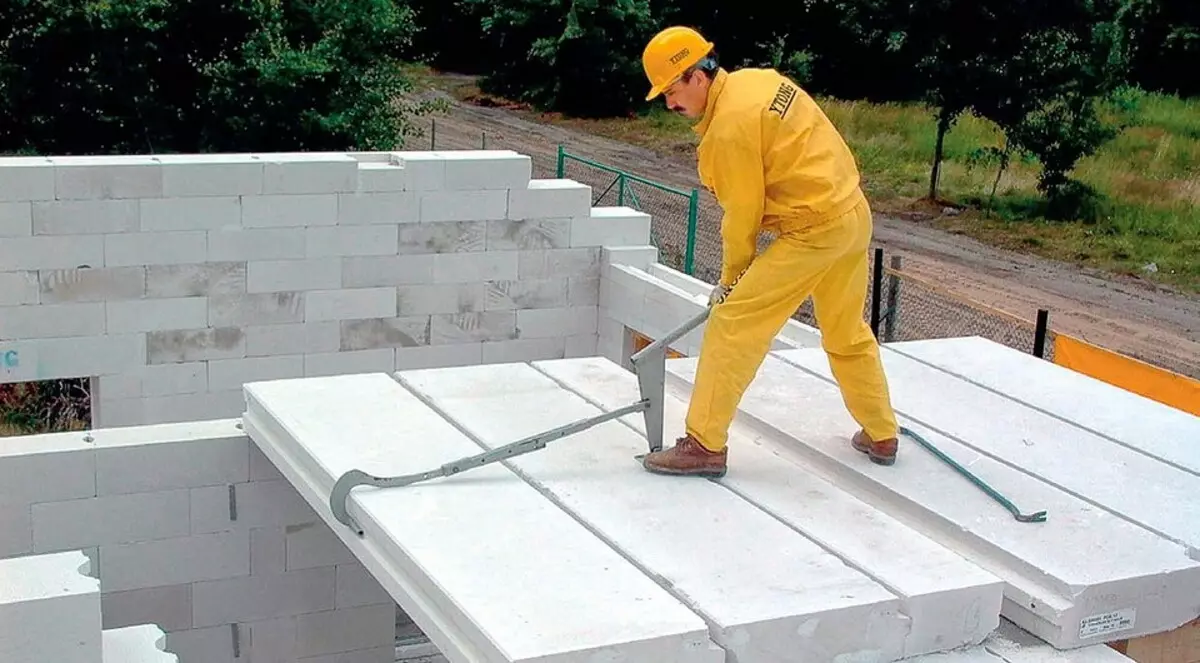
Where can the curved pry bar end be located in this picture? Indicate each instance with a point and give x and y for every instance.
(339, 494)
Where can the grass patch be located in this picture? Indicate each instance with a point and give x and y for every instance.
(1147, 178)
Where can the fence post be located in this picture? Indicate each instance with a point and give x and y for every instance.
(876, 287)
(562, 161)
(483, 140)
(433, 133)
(689, 258)
(893, 299)
(1039, 334)
(621, 190)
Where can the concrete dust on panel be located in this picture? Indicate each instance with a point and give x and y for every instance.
(951, 601)
(456, 553)
(1114, 565)
(768, 592)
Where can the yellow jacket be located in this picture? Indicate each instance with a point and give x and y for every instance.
(769, 154)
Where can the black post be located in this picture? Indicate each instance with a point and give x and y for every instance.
(1039, 334)
(893, 299)
(876, 291)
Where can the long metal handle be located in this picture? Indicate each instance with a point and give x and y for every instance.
(353, 478)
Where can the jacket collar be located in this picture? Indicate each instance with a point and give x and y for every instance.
(714, 91)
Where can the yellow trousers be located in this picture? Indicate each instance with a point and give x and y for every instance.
(827, 261)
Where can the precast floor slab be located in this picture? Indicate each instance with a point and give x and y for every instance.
(1116, 557)
(574, 553)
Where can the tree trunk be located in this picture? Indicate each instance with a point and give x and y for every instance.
(942, 128)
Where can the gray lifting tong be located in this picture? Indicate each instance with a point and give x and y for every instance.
(649, 364)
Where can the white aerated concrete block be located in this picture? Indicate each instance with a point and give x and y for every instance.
(290, 210)
(266, 308)
(293, 339)
(370, 271)
(50, 358)
(155, 248)
(110, 519)
(169, 456)
(768, 592)
(85, 217)
(549, 199)
(1058, 595)
(237, 244)
(207, 213)
(446, 205)
(611, 226)
(300, 172)
(101, 177)
(951, 601)
(371, 240)
(179, 560)
(52, 321)
(347, 362)
(317, 429)
(169, 607)
(143, 643)
(18, 288)
(381, 178)
(143, 315)
(254, 598)
(285, 275)
(192, 175)
(371, 206)
(16, 219)
(49, 609)
(472, 170)
(423, 171)
(349, 304)
(91, 284)
(26, 178)
(58, 252)
(252, 505)
(231, 374)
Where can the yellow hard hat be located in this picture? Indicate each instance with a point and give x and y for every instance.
(669, 54)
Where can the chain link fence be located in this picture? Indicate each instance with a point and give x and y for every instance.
(685, 227)
(673, 212)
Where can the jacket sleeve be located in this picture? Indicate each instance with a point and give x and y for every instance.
(738, 184)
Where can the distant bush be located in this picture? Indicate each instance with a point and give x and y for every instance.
(138, 76)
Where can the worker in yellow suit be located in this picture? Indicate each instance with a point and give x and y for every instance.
(775, 162)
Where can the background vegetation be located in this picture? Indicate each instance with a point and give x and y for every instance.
(1064, 122)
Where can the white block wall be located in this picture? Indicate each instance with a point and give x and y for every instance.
(174, 279)
(637, 294)
(192, 530)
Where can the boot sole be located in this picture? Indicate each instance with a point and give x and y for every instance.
(875, 458)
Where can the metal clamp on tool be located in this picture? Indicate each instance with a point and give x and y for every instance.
(649, 364)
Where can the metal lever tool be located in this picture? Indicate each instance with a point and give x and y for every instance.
(649, 364)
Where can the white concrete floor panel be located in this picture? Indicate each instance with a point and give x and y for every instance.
(951, 601)
(486, 566)
(1084, 575)
(769, 593)
(1154, 428)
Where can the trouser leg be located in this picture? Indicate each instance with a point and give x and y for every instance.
(838, 302)
(740, 330)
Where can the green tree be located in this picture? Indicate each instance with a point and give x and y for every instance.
(1165, 44)
(83, 77)
(580, 57)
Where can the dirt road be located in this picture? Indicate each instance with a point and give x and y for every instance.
(1124, 314)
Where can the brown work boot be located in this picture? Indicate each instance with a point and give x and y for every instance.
(882, 452)
(687, 457)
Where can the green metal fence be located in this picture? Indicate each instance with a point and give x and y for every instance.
(674, 213)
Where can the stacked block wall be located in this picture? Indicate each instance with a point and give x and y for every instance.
(191, 529)
(175, 279)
